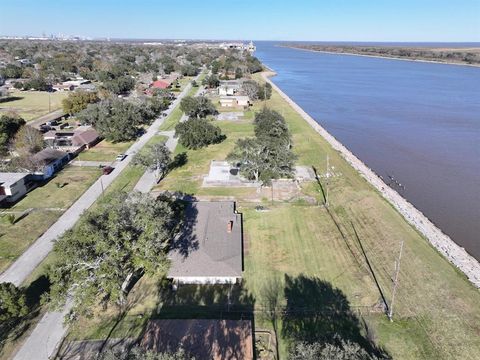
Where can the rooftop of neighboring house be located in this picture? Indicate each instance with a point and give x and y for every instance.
(8, 179)
(210, 244)
(85, 135)
(48, 156)
(205, 338)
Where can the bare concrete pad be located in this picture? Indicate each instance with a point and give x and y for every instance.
(205, 339)
(230, 116)
(304, 173)
(223, 174)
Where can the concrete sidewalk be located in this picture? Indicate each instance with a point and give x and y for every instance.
(148, 179)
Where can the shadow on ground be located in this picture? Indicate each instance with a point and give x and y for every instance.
(316, 312)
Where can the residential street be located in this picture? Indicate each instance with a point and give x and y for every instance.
(34, 255)
(43, 342)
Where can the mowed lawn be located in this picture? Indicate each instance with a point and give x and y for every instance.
(351, 246)
(46, 204)
(32, 104)
(104, 151)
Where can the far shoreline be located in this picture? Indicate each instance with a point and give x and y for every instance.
(382, 57)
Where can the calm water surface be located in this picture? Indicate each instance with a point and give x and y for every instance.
(418, 122)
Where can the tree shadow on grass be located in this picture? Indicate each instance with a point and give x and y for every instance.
(12, 330)
(316, 312)
(10, 98)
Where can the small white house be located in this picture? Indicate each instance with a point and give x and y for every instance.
(229, 87)
(13, 186)
(231, 101)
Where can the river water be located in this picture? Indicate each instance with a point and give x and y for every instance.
(416, 122)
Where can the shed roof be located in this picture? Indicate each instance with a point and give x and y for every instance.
(206, 248)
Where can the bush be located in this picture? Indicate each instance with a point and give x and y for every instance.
(198, 133)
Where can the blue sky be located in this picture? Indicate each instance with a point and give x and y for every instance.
(328, 20)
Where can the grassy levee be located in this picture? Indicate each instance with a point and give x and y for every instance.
(437, 311)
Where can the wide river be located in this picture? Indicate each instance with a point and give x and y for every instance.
(416, 122)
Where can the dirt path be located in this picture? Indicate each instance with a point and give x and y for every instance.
(442, 242)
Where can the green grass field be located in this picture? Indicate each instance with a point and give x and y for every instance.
(437, 311)
(104, 151)
(48, 203)
(32, 104)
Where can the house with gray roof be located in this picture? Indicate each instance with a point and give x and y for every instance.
(209, 250)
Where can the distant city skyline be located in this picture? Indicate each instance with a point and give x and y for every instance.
(304, 20)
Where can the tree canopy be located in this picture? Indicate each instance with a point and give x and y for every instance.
(197, 107)
(268, 155)
(211, 81)
(115, 119)
(138, 353)
(11, 71)
(127, 235)
(156, 157)
(344, 350)
(256, 91)
(78, 101)
(12, 303)
(198, 133)
(120, 85)
(9, 125)
(28, 140)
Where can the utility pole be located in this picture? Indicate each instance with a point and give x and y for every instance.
(327, 175)
(395, 281)
(49, 106)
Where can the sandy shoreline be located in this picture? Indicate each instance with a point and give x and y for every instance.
(442, 242)
(383, 57)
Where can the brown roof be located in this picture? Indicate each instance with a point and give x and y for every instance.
(85, 137)
(204, 339)
(48, 156)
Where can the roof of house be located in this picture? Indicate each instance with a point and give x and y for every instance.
(161, 84)
(204, 338)
(48, 156)
(85, 136)
(206, 248)
(7, 179)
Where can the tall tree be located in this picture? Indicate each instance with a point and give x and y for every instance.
(270, 126)
(12, 303)
(9, 125)
(268, 155)
(28, 140)
(78, 101)
(115, 119)
(198, 133)
(157, 158)
(250, 155)
(128, 234)
(197, 107)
